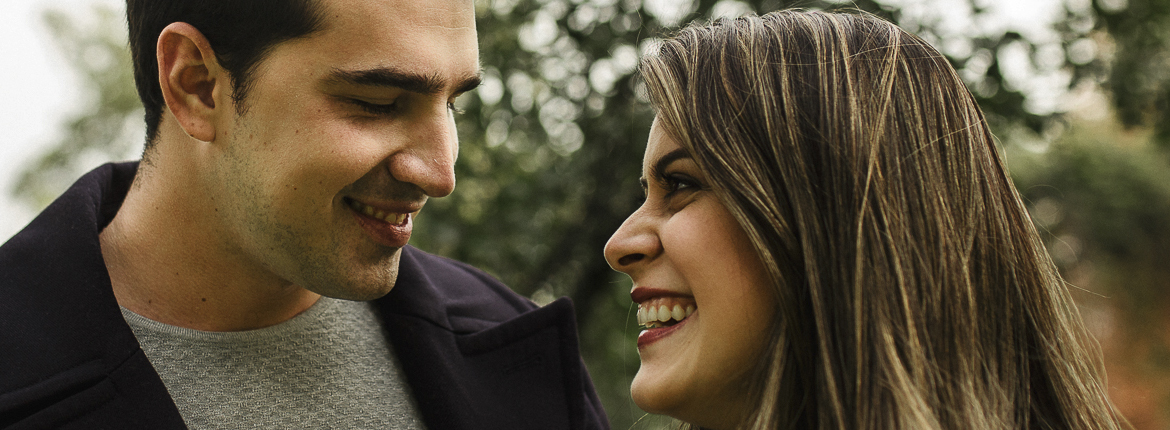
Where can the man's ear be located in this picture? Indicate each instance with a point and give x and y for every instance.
(191, 79)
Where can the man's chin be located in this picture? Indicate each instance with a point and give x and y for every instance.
(359, 295)
(365, 280)
(359, 291)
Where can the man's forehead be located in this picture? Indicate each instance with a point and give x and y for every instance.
(453, 14)
(425, 45)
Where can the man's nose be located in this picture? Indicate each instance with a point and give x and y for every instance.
(428, 161)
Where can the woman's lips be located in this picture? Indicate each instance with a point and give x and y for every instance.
(662, 312)
(652, 335)
(641, 294)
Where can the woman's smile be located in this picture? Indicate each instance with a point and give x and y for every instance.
(661, 316)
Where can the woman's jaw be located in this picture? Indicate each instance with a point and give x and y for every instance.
(672, 325)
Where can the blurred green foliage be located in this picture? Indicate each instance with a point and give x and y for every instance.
(1100, 196)
(551, 144)
(1104, 208)
(109, 123)
(1139, 68)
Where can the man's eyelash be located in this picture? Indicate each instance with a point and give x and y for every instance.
(389, 108)
(375, 108)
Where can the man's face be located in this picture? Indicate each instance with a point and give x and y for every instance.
(346, 134)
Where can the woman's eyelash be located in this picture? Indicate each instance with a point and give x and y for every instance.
(678, 182)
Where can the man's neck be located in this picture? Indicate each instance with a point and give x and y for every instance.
(165, 264)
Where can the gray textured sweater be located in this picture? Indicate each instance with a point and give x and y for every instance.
(329, 367)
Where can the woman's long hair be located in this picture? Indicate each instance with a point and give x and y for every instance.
(914, 291)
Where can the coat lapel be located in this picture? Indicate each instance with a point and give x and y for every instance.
(70, 360)
(521, 373)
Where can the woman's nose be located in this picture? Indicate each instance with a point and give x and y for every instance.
(634, 242)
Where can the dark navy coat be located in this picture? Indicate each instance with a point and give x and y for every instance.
(476, 355)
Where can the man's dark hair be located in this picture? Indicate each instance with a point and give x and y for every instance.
(240, 31)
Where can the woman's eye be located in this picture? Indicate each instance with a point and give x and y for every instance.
(679, 182)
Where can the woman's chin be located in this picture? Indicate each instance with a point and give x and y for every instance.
(661, 395)
(651, 395)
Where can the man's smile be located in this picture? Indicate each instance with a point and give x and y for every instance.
(389, 216)
(386, 224)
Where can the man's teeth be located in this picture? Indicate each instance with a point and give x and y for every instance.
(653, 316)
(370, 211)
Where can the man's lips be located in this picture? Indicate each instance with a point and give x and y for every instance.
(387, 224)
(393, 213)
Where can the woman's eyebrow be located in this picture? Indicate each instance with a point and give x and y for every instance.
(665, 161)
(662, 164)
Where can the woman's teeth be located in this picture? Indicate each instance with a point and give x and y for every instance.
(662, 314)
(370, 211)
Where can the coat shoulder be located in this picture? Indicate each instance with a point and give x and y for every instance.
(452, 294)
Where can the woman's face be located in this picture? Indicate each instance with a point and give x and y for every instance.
(698, 277)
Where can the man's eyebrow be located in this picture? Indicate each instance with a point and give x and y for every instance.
(413, 82)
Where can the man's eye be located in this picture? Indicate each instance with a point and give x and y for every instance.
(455, 110)
(375, 108)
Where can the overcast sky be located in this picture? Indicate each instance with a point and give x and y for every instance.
(38, 91)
